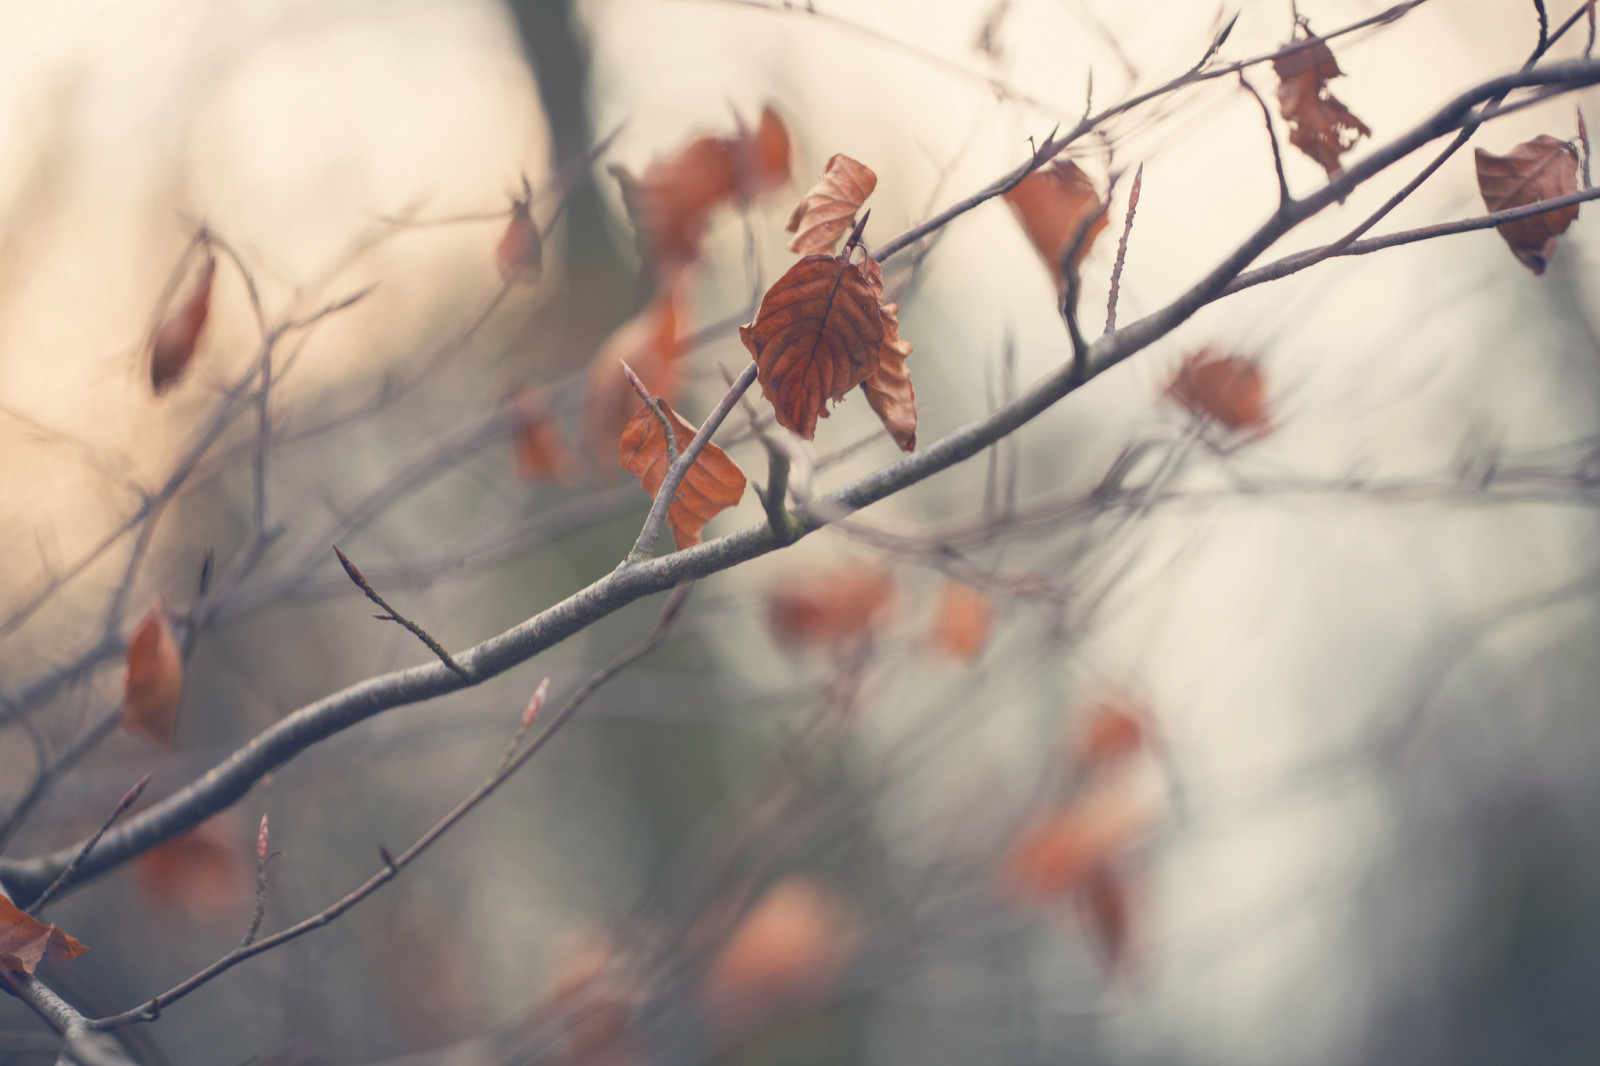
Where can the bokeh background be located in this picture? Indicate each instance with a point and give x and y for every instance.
(1365, 642)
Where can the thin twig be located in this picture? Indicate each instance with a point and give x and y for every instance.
(655, 408)
(128, 800)
(392, 615)
(1272, 137)
(1122, 248)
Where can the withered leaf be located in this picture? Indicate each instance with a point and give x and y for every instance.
(712, 485)
(537, 443)
(1541, 169)
(888, 387)
(1052, 203)
(828, 211)
(761, 156)
(962, 621)
(154, 680)
(816, 337)
(174, 342)
(1319, 125)
(834, 609)
(651, 343)
(25, 941)
(520, 254)
(1227, 389)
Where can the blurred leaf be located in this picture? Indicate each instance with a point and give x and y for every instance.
(205, 872)
(1227, 389)
(832, 609)
(154, 680)
(962, 621)
(1052, 203)
(174, 342)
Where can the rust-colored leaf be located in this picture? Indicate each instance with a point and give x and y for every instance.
(1113, 730)
(174, 342)
(712, 484)
(651, 343)
(154, 680)
(520, 254)
(25, 941)
(786, 953)
(827, 212)
(672, 201)
(1061, 847)
(205, 872)
(888, 388)
(816, 337)
(538, 444)
(1541, 169)
(1227, 389)
(1319, 125)
(832, 610)
(962, 621)
(1052, 203)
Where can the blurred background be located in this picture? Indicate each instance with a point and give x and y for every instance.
(1278, 752)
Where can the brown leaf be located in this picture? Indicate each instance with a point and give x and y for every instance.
(25, 941)
(828, 211)
(816, 337)
(672, 201)
(651, 343)
(832, 610)
(1319, 125)
(204, 872)
(154, 681)
(786, 954)
(962, 622)
(1541, 169)
(1064, 845)
(520, 254)
(1227, 389)
(539, 447)
(712, 485)
(1051, 203)
(173, 344)
(888, 388)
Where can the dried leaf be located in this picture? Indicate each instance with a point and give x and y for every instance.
(1227, 389)
(888, 388)
(832, 610)
(712, 485)
(761, 156)
(827, 212)
(174, 342)
(538, 444)
(1060, 848)
(651, 343)
(205, 872)
(520, 254)
(1051, 203)
(1541, 169)
(787, 953)
(1112, 730)
(816, 337)
(962, 622)
(1319, 125)
(25, 941)
(154, 681)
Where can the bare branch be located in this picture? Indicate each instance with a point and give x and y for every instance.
(1122, 248)
(128, 800)
(392, 615)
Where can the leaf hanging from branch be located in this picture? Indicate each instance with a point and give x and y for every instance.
(817, 336)
(154, 680)
(1052, 204)
(827, 212)
(888, 388)
(1227, 389)
(1319, 125)
(175, 341)
(537, 443)
(712, 485)
(520, 254)
(1541, 169)
(651, 343)
(25, 941)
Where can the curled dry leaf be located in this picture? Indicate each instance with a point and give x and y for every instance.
(816, 336)
(888, 388)
(1052, 204)
(25, 941)
(827, 212)
(1227, 389)
(1319, 125)
(671, 202)
(207, 872)
(832, 610)
(787, 953)
(537, 444)
(962, 622)
(174, 342)
(1541, 169)
(154, 680)
(520, 254)
(712, 485)
(651, 343)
